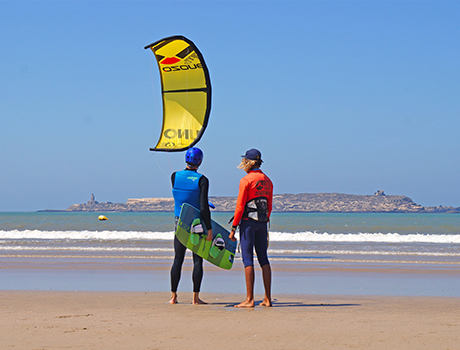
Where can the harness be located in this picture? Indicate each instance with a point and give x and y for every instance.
(256, 209)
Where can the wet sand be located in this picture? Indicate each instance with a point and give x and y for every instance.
(86, 302)
(151, 274)
(145, 320)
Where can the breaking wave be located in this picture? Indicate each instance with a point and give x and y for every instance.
(274, 236)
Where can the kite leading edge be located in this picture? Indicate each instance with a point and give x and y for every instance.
(186, 93)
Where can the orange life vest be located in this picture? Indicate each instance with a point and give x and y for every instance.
(254, 198)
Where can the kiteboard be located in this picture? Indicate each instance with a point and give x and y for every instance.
(192, 233)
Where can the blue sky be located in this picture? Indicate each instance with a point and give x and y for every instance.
(340, 96)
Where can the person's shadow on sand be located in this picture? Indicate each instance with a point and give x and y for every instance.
(301, 304)
(292, 304)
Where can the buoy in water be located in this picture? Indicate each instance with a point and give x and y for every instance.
(102, 217)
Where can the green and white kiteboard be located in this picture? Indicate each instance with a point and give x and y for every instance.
(192, 233)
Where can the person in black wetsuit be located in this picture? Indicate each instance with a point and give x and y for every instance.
(189, 186)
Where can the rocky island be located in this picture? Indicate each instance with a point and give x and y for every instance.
(379, 202)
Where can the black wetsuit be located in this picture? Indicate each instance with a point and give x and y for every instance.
(180, 249)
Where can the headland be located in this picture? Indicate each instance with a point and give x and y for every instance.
(379, 202)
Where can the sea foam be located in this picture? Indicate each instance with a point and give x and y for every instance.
(274, 236)
(363, 237)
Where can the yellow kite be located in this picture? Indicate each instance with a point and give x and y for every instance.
(186, 91)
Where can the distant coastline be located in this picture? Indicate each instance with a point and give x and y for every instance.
(379, 202)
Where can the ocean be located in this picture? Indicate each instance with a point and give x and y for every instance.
(362, 245)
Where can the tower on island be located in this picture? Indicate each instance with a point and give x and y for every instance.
(92, 201)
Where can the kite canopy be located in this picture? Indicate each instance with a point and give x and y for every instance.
(186, 91)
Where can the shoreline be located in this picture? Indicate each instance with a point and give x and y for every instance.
(151, 274)
(140, 320)
(228, 211)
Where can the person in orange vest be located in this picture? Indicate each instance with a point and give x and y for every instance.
(252, 214)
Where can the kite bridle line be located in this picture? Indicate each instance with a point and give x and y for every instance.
(160, 121)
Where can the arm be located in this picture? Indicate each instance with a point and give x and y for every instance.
(240, 204)
(270, 200)
(204, 205)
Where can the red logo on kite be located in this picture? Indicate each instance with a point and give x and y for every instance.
(170, 60)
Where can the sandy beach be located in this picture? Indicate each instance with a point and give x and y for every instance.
(117, 303)
(137, 320)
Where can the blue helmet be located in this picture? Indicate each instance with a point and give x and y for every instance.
(194, 156)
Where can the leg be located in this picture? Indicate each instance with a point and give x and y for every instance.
(247, 252)
(179, 255)
(267, 277)
(261, 246)
(249, 275)
(197, 277)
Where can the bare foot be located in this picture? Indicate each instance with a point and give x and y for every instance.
(173, 299)
(198, 302)
(196, 299)
(246, 303)
(267, 303)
